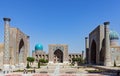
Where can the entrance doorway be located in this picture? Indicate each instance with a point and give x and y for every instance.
(58, 56)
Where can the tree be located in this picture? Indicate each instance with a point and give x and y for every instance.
(42, 60)
(79, 60)
(46, 61)
(73, 60)
(30, 59)
(28, 66)
(38, 64)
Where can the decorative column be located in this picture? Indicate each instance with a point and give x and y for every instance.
(107, 60)
(87, 49)
(6, 53)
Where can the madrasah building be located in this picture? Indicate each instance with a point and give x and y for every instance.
(102, 46)
(15, 49)
(58, 53)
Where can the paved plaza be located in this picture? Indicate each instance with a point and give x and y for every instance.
(59, 70)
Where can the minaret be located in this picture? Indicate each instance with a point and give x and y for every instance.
(82, 54)
(107, 59)
(87, 49)
(28, 45)
(6, 53)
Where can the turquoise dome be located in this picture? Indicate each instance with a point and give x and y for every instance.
(114, 35)
(33, 50)
(38, 47)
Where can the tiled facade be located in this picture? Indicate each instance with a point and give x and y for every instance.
(52, 57)
(17, 48)
(102, 47)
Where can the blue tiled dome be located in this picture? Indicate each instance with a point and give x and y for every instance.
(38, 47)
(33, 50)
(114, 35)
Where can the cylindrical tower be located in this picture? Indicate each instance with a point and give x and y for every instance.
(87, 49)
(28, 45)
(6, 53)
(107, 60)
(83, 54)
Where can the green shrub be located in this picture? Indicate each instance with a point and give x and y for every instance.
(95, 71)
(18, 71)
(23, 70)
(46, 61)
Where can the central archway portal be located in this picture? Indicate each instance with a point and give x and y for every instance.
(58, 56)
(93, 53)
(21, 51)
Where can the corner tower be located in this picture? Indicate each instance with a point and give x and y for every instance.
(6, 53)
(107, 58)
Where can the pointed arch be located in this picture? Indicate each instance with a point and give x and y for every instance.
(21, 51)
(93, 52)
(58, 56)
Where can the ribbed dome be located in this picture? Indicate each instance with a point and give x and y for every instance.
(38, 47)
(114, 35)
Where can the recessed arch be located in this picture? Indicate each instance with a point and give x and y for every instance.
(93, 52)
(58, 56)
(21, 44)
(21, 51)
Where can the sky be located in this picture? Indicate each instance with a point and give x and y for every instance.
(59, 21)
